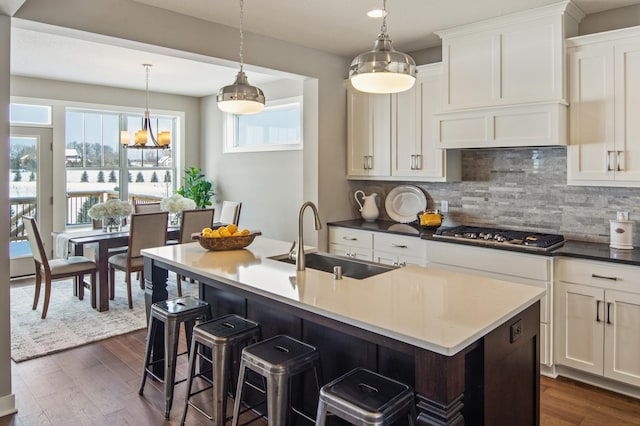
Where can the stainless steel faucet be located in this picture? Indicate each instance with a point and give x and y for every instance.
(300, 252)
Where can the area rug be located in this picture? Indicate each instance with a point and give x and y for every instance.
(72, 322)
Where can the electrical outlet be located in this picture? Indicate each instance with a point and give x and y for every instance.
(444, 206)
(516, 331)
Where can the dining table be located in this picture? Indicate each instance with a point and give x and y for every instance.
(102, 243)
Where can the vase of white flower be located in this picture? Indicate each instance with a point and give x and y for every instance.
(175, 204)
(111, 213)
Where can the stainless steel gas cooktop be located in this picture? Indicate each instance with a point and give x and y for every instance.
(501, 237)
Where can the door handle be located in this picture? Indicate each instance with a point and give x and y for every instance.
(597, 311)
(618, 168)
(398, 245)
(609, 312)
(350, 238)
(370, 162)
(418, 161)
(609, 160)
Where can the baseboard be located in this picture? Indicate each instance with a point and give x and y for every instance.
(548, 371)
(8, 405)
(599, 381)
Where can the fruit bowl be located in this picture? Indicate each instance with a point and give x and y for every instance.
(225, 243)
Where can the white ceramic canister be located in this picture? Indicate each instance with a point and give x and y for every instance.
(621, 234)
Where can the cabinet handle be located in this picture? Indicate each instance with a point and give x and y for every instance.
(398, 245)
(609, 161)
(609, 312)
(618, 168)
(412, 162)
(597, 311)
(604, 277)
(350, 238)
(402, 264)
(370, 161)
(418, 161)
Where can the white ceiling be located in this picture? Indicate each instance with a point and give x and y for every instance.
(336, 26)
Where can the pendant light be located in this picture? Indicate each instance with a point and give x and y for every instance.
(141, 137)
(241, 97)
(383, 69)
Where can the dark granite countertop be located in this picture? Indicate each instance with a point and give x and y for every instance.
(571, 248)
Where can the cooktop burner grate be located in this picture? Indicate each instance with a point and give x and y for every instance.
(506, 237)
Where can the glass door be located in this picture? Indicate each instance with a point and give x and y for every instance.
(30, 192)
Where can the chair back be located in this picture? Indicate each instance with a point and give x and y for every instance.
(35, 241)
(146, 207)
(194, 221)
(147, 230)
(230, 212)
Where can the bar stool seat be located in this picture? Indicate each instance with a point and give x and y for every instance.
(277, 360)
(171, 313)
(223, 336)
(363, 397)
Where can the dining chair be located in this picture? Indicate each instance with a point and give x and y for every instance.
(55, 269)
(145, 231)
(230, 212)
(146, 207)
(193, 221)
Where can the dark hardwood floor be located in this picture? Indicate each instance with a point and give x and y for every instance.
(97, 384)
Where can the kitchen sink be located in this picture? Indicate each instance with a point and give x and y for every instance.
(351, 268)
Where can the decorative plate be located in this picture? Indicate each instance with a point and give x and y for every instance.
(404, 202)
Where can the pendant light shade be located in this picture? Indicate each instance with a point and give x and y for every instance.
(383, 69)
(241, 97)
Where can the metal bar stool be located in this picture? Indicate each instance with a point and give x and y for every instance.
(221, 336)
(363, 397)
(171, 313)
(277, 360)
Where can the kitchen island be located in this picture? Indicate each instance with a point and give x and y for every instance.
(468, 345)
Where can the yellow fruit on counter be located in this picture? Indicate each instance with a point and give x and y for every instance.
(206, 230)
(224, 232)
(232, 228)
(215, 234)
(221, 228)
(237, 234)
(245, 232)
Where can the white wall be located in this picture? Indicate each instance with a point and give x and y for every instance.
(269, 184)
(7, 400)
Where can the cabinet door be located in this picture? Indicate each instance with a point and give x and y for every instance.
(406, 141)
(591, 154)
(622, 337)
(368, 134)
(580, 327)
(471, 76)
(627, 111)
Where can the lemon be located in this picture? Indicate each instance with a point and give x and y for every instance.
(245, 232)
(221, 228)
(232, 228)
(207, 234)
(224, 232)
(237, 234)
(215, 234)
(206, 230)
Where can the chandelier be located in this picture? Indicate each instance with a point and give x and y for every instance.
(383, 69)
(142, 137)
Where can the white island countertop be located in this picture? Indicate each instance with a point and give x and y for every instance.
(438, 310)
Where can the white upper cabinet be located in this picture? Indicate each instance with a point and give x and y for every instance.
(393, 137)
(504, 80)
(604, 73)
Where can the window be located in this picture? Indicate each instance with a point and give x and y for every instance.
(98, 168)
(278, 127)
(30, 114)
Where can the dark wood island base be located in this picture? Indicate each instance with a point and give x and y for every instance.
(493, 381)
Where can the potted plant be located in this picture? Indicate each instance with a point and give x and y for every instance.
(196, 187)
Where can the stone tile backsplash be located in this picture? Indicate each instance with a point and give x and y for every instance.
(522, 188)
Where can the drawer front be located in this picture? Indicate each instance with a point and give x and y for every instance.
(529, 266)
(400, 245)
(598, 274)
(350, 237)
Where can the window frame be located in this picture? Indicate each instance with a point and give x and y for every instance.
(231, 129)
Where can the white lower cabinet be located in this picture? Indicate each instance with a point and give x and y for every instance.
(351, 243)
(530, 269)
(598, 319)
(399, 250)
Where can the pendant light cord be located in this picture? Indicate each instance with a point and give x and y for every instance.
(241, 34)
(146, 67)
(383, 28)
